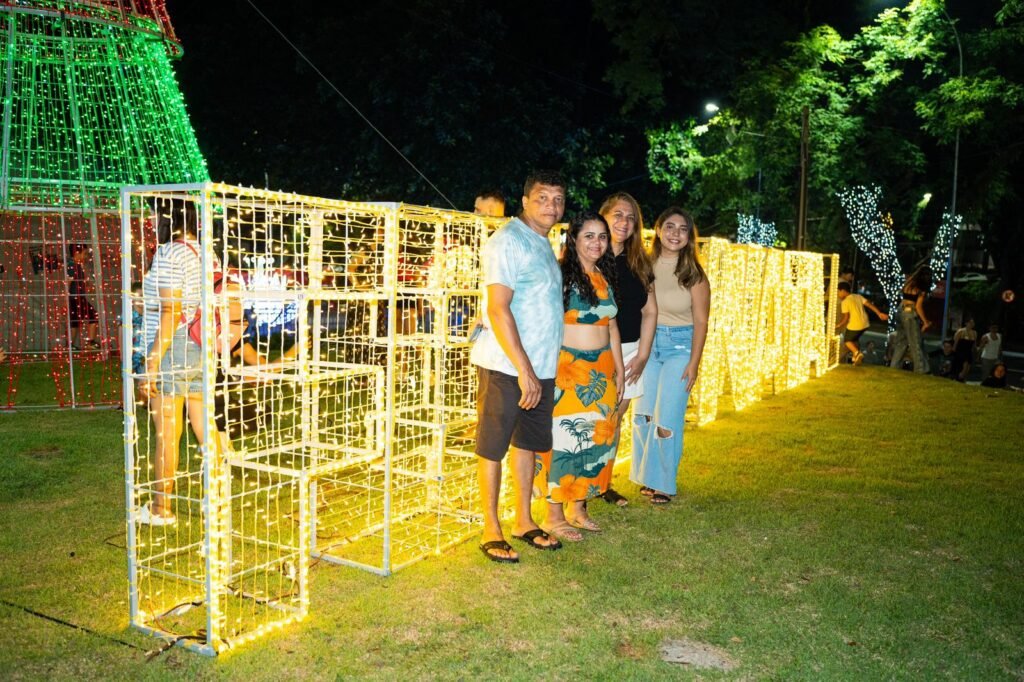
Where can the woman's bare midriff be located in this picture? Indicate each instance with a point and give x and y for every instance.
(585, 336)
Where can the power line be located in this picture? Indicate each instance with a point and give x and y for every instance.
(349, 102)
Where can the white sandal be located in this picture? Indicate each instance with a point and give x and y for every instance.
(146, 517)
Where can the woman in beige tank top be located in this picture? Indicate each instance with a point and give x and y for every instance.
(684, 300)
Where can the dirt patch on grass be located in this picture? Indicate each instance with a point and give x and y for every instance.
(46, 452)
(627, 649)
(698, 654)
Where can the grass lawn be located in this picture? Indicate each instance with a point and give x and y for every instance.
(866, 525)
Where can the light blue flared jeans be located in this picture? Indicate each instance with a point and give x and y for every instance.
(663, 405)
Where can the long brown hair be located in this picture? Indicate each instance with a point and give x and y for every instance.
(688, 268)
(573, 276)
(636, 257)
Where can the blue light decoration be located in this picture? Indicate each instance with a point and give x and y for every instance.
(752, 230)
(943, 244)
(874, 235)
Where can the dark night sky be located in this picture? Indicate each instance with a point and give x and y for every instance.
(256, 108)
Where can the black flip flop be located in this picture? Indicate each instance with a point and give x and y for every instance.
(660, 498)
(613, 497)
(486, 548)
(530, 537)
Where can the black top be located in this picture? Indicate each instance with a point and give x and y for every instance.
(994, 382)
(632, 297)
(76, 279)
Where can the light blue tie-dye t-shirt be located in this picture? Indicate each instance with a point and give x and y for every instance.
(517, 257)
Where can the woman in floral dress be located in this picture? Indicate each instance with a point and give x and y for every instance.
(588, 385)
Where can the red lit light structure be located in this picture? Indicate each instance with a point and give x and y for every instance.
(89, 104)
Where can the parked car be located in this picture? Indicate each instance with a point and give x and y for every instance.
(970, 277)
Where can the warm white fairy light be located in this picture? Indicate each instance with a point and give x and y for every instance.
(355, 412)
(873, 234)
(350, 437)
(943, 243)
(752, 230)
(766, 331)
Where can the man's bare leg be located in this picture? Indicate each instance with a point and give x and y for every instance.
(523, 466)
(489, 479)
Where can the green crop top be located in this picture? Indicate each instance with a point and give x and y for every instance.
(581, 312)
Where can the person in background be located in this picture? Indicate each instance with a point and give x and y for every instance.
(912, 321)
(855, 319)
(638, 308)
(516, 354)
(80, 310)
(963, 350)
(845, 275)
(173, 380)
(871, 354)
(996, 377)
(138, 330)
(991, 350)
(490, 202)
(138, 336)
(942, 360)
(684, 302)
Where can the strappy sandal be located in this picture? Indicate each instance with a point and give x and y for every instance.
(660, 498)
(146, 517)
(584, 524)
(564, 531)
(647, 492)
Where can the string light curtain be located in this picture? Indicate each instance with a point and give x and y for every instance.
(874, 235)
(752, 230)
(90, 104)
(943, 243)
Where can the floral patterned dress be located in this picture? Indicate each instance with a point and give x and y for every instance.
(580, 465)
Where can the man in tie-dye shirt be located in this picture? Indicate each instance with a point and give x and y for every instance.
(517, 355)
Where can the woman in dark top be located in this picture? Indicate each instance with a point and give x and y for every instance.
(638, 310)
(912, 321)
(80, 310)
(996, 378)
(963, 350)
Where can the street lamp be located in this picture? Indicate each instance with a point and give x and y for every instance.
(952, 208)
(711, 108)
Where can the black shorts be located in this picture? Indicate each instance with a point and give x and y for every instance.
(853, 336)
(500, 420)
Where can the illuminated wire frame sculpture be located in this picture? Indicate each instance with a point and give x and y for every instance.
(340, 423)
(344, 429)
(90, 104)
(772, 323)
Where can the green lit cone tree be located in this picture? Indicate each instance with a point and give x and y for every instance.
(90, 104)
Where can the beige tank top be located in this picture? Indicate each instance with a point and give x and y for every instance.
(675, 307)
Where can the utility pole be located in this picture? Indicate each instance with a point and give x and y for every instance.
(952, 209)
(805, 158)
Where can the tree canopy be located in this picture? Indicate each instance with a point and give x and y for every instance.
(886, 106)
(611, 92)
